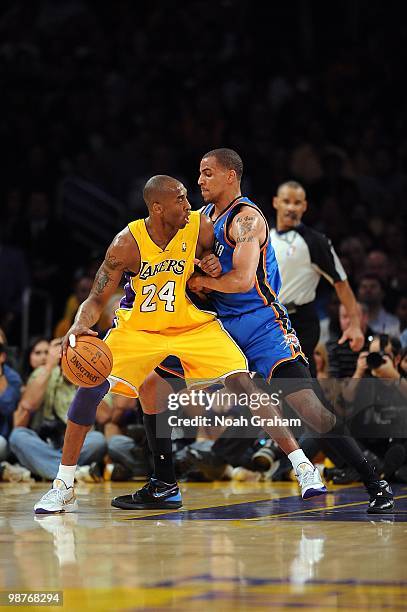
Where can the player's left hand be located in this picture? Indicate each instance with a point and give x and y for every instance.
(355, 336)
(195, 283)
(210, 265)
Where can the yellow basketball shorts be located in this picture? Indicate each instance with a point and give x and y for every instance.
(207, 353)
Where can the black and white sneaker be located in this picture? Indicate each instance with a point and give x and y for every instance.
(155, 495)
(381, 498)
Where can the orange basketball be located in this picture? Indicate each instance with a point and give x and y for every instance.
(89, 363)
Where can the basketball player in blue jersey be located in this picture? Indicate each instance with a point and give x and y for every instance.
(245, 298)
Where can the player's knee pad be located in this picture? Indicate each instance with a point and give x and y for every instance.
(82, 410)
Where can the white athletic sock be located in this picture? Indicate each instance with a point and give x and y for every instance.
(67, 474)
(297, 457)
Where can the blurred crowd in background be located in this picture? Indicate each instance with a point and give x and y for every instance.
(104, 99)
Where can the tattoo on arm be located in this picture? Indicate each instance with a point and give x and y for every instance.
(101, 280)
(103, 276)
(86, 318)
(243, 239)
(244, 227)
(113, 263)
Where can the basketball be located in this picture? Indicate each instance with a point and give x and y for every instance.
(89, 363)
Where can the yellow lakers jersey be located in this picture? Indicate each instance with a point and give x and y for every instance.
(155, 298)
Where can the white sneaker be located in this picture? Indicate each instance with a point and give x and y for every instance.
(310, 481)
(58, 499)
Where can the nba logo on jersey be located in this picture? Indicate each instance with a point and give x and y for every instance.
(184, 247)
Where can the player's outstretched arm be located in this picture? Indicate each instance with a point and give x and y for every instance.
(122, 255)
(248, 231)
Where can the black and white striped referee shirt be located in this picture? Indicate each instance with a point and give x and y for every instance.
(303, 256)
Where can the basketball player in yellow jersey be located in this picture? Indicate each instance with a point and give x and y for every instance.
(155, 319)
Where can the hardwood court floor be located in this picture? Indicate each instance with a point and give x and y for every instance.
(233, 546)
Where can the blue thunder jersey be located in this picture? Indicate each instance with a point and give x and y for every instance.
(255, 320)
(268, 281)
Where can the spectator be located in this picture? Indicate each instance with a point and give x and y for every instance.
(342, 360)
(36, 356)
(367, 397)
(370, 291)
(389, 370)
(12, 352)
(10, 384)
(376, 408)
(392, 351)
(39, 422)
(321, 360)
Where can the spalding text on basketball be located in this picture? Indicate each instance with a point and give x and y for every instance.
(82, 370)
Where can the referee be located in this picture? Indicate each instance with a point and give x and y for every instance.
(303, 256)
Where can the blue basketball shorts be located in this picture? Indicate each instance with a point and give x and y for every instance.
(266, 340)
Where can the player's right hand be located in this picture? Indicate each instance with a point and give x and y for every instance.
(77, 329)
(210, 265)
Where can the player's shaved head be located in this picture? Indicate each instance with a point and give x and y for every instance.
(157, 186)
